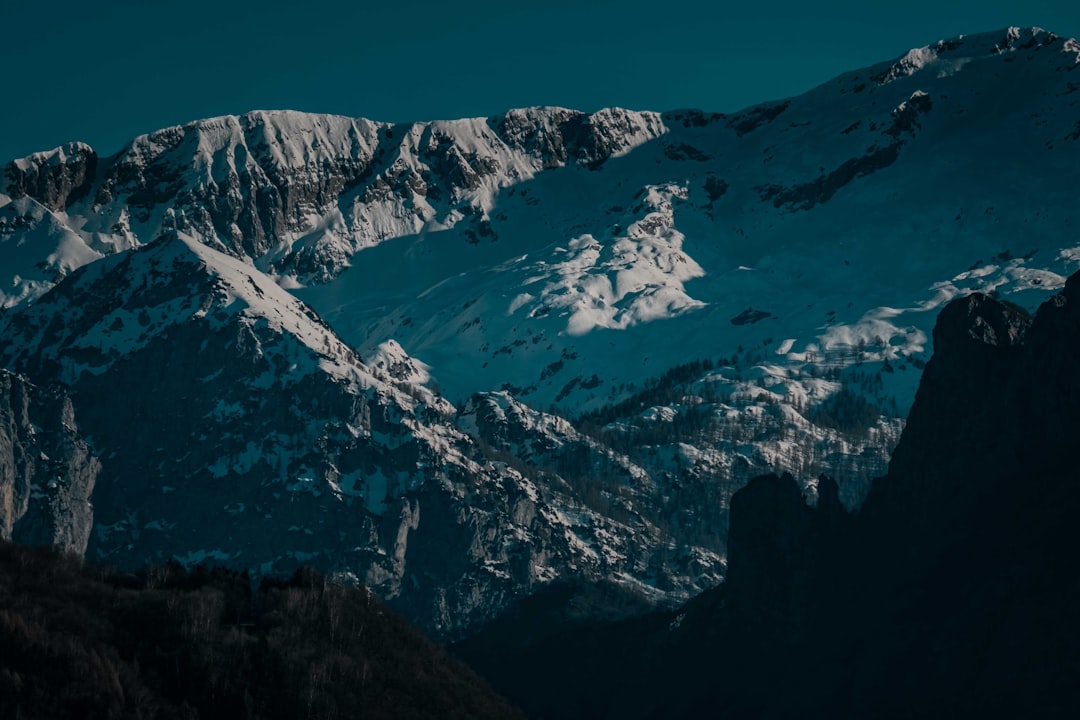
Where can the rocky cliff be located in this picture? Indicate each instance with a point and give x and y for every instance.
(47, 470)
(463, 359)
(56, 178)
(947, 594)
(235, 427)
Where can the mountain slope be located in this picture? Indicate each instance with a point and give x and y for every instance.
(948, 593)
(572, 225)
(540, 345)
(82, 642)
(300, 193)
(233, 425)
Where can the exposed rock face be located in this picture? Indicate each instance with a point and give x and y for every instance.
(637, 312)
(256, 177)
(301, 193)
(47, 471)
(950, 592)
(966, 387)
(771, 526)
(946, 592)
(555, 136)
(235, 427)
(56, 178)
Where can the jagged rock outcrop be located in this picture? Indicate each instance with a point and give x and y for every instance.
(773, 527)
(47, 470)
(56, 178)
(579, 273)
(301, 193)
(972, 378)
(236, 427)
(948, 593)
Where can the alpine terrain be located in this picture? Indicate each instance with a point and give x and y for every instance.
(458, 361)
(949, 594)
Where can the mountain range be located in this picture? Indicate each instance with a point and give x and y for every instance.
(947, 595)
(459, 361)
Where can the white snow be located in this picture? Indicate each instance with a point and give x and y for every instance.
(575, 285)
(913, 61)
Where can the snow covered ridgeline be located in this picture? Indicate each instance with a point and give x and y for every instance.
(300, 193)
(847, 216)
(544, 257)
(234, 426)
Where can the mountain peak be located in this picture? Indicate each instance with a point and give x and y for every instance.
(712, 297)
(56, 178)
(117, 307)
(62, 155)
(949, 55)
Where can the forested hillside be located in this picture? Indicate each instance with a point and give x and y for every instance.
(82, 642)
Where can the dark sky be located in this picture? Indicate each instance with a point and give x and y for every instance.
(103, 72)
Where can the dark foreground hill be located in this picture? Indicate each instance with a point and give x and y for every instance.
(952, 593)
(77, 642)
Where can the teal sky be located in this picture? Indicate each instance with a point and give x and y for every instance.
(103, 72)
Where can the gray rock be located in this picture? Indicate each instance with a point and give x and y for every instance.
(55, 178)
(47, 471)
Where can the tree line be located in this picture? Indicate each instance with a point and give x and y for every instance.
(83, 642)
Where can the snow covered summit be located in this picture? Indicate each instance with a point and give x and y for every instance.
(548, 343)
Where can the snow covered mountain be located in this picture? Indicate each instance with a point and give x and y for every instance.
(572, 336)
(964, 551)
(234, 426)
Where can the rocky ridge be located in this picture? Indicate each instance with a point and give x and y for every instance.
(596, 326)
(948, 592)
(961, 552)
(279, 447)
(47, 469)
(299, 193)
